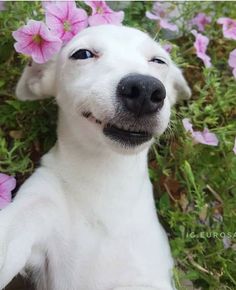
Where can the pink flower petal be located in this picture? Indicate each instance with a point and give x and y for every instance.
(229, 27)
(201, 20)
(115, 17)
(80, 22)
(166, 25)
(40, 50)
(7, 184)
(32, 27)
(163, 12)
(222, 20)
(50, 49)
(187, 125)
(152, 16)
(45, 3)
(200, 44)
(62, 10)
(65, 20)
(21, 34)
(167, 47)
(94, 5)
(97, 19)
(98, 5)
(103, 14)
(205, 58)
(210, 138)
(205, 137)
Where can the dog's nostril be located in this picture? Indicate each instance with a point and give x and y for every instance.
(135, 92)
(131, 92)
(157, 96)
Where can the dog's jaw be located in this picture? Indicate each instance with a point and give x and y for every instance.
(126, 138)
(120, 133)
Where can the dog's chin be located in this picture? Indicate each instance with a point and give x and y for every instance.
(121, 135)
(127, 138)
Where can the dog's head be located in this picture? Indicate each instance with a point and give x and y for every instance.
(114, 85)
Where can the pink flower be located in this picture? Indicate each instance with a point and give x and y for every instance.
(234, 148)
(102, 14)
(187, 125)
(7, 184)
(45, 3)
(167, 47)
(200, 45)
(65, 20)
(163, 12)
(2, 5)
(36, 40)
(201, 20)
(205, 137)
(229, 27)
(232, 61)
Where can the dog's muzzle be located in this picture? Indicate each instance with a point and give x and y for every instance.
(125, 134)
(140, 97)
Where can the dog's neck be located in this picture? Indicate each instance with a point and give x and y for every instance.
(100, 180)
(98, 168)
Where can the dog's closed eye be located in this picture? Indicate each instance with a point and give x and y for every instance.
(158, 60)
(82, 54)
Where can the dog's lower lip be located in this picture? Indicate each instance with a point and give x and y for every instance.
(125, 137)
(128, 138)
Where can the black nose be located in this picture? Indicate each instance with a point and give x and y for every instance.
(141, 94)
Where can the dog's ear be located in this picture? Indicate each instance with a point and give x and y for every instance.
(37, 81)
(177, 87)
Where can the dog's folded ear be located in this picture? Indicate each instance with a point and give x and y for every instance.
(37, 81)
(177, 87)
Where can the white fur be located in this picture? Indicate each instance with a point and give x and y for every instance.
(86, 220)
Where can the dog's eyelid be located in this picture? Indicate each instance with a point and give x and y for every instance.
(160, 60)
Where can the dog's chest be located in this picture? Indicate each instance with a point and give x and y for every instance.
(92, 259)
(103, 244)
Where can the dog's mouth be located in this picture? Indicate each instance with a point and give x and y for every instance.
(119, 133)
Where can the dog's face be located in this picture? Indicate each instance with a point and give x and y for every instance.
(115, 85)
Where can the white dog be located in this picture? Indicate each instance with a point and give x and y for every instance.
(86, 220)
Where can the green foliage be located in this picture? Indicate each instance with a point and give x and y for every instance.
(27, 129)
(195, 184)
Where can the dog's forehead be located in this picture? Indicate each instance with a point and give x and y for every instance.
(112, 32)
(113, 36)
